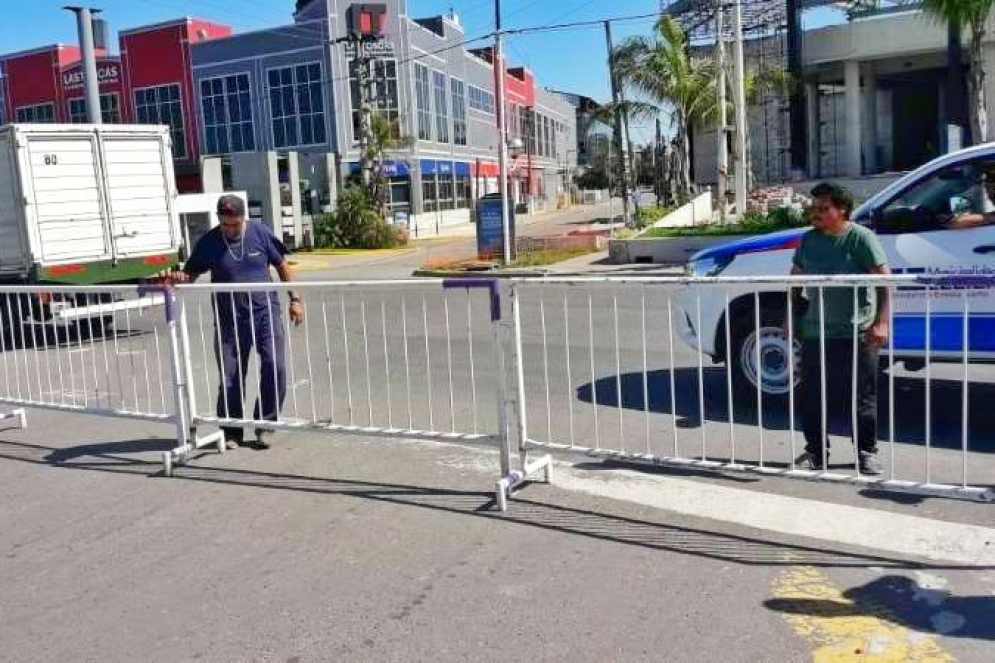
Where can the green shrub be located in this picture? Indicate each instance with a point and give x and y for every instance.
(355, 224)
(649, 214)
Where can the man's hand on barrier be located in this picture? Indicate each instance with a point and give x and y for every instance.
(877, 334)
(297, 312)
(169, 278)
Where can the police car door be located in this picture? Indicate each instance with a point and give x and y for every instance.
(917, 238)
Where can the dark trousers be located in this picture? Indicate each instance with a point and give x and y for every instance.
(237, 341)
(839, 391)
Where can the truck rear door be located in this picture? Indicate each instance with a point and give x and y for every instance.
(63, 189)
(138, 193)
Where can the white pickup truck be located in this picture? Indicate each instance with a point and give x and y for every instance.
(909, 217)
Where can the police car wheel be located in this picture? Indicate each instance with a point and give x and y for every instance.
(775, 352)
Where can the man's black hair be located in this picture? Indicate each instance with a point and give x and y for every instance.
(837, 194)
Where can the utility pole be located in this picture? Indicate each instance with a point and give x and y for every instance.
(502, 127)
(364, 81)
(91, 85)
(722, 160)
(739, 90)
(626, 217)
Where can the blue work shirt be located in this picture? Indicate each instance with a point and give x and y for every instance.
(243, 260)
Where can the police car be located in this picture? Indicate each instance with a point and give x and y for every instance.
(911, 219)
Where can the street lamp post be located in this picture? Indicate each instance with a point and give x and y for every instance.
(91, 85)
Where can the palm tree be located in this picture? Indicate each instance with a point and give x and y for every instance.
(972, 13)
(385, 137)
(660, 69)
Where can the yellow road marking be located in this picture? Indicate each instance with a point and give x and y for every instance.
(839, 630)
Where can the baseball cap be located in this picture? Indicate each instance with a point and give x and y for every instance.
(229, 205)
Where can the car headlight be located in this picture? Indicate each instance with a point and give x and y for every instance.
(711, 266)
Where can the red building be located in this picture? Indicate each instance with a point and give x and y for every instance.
(149, 83)
(156, 65)
(46, 85)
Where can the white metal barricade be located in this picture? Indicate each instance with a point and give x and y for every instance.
(637, 369)
(100, 350)
(415, 359)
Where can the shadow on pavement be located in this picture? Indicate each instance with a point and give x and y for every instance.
(902, 601)
(551, 517)
(910, 423)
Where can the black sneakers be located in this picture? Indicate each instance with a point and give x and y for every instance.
(263, 438)
(869, 464)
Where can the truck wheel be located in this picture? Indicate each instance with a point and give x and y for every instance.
(775, 355)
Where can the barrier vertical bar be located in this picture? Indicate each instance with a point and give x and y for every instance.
(891, 379)
(366, 352)
(646, 386)
(407, 361)
(791, 376)
(823, 431)
(855, 366)
(618, 377)
(759, 369)
(203, 353)
(594, 378)
(545, 364)
(965, 412)
(428, 364)
(310, 368)
(345, 343)
(929, 382)
(473, 373)
(673, 373)
(328, 359)
(131, 354)
(289, 350)
(186, 352)
(58, 364)
(386, 363)
(731, 406)
(516, 357)
(449, 364)
(566, 342)
(701, 387)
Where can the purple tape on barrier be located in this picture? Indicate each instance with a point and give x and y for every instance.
(152, 288)
(490, 284)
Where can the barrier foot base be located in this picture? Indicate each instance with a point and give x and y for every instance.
(22, 420)
(507, 485)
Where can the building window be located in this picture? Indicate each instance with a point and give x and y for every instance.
(423, 99)
(161, 105)
(226, 104)
(447, 191)
(297, 105)
(429, 194)
(34, 114)
(441, 107)
(383, 94)
(110, 110)
(463, 194)
(481, 100)
(459, 111)
(400, 193)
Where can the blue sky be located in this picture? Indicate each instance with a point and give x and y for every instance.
(572, 60)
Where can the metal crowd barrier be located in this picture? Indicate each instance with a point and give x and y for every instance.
(623, 368)
(101, 350)
(416, 359)
(633, 369)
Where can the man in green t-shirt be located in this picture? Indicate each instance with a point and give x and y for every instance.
(837, 246)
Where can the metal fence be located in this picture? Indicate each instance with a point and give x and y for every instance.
(407, 359)
(638, 369)
(689, 372)
(98, 350)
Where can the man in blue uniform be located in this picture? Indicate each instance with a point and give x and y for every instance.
(238, 251)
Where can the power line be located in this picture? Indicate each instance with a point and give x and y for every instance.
(577, 24)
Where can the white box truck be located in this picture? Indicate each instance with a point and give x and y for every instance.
(82, 205)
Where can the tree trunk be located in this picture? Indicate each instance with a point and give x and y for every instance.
(976, 82)
(684, 159)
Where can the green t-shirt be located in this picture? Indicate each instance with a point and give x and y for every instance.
(856, 250)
